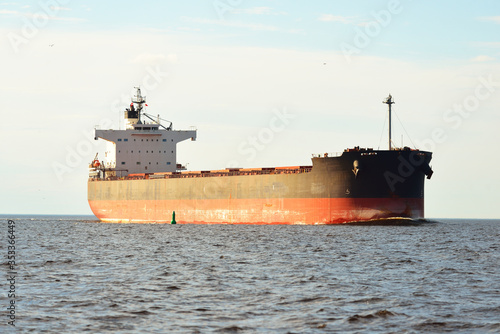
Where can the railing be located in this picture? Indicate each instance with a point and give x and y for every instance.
(363, 151)
(216, 173)
(327, 155)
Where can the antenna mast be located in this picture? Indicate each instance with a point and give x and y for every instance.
(389, 102)
(139, 101)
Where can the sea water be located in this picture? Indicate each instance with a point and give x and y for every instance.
(74, 274)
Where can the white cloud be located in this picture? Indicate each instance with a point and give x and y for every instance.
(157, 30)
(54, 17)
(57, 8)
(495, 19)
(239, 24)
(189, 29)
(43, 14)
(8, 12)
(68, 19)
(345, 19)
(150, 59)
(488, 44)
(257, 11)
(482, 58)
(336, 18)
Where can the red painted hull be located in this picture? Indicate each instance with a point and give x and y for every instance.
(299, 211)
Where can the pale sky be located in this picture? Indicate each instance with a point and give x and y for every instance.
(266, 83)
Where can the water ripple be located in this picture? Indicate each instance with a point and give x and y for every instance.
(83, 276)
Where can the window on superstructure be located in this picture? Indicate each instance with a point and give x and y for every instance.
(125, 139)
(164, 140)
(123, 162)
(168, 163)
(119, 139)
(138, 162)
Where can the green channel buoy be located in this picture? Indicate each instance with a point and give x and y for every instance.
(173, 218)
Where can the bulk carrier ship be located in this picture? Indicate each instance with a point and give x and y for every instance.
(143, 183)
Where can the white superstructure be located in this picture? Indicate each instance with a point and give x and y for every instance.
(143, 147)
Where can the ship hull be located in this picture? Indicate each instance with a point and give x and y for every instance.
(357, 186)
(293, 211)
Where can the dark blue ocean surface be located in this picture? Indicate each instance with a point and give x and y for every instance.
(76, 275)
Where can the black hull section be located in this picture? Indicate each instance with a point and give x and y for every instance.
(375, 174)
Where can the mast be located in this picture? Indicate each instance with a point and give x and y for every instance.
(389, 102)
(139, 101)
